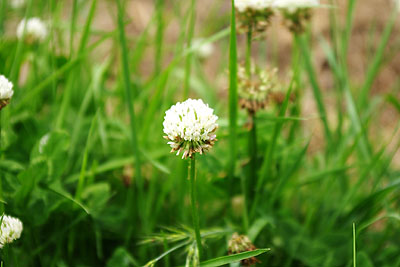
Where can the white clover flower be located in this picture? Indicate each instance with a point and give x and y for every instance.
(204, 50)
(190, 127)
(6, 91)
(293, 5)
(17, 3)
(10, 230)
(36, 29)
(243, 5)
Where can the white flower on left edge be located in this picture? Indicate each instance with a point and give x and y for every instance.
(10, 230)
(35, 29)
(6, 91)
(190, 127)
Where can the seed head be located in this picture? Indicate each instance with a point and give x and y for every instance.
(241, 243)
(34, 29)
(190, 127)
(6, 91)
(254, 90)
(10, 230)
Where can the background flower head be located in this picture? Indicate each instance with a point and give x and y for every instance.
(35, 30)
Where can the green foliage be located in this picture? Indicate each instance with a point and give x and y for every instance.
(84, 166)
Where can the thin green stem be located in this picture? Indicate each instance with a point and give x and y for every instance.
(248, 51)
(195, 208)
(233, 96)
(188, 64)
(253, 157)
(354, 246)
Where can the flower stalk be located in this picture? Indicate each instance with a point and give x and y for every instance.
(195, 205)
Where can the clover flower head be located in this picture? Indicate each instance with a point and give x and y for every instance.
(293, 5)
(254, 89)
(10, 230)
(34, 28)
(204, 50)
(241, 243)
(190, 127)
(6, 91)
(253, 15)
(243, 5)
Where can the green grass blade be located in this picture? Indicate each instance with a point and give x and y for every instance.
(315, 86)
(376, 64)
(233, 94)
(233, 258)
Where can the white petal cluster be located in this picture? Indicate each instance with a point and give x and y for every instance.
(204, 50)
(10, 230)
(17, 3)
(190, 127)
(243, 5)
(6, 91)
(293, 5)
(36, 29)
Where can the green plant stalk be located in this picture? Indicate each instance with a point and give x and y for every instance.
(233, 95)
(189, 57)
(195, 208)
(72, 27)
(253, 157)
(314, 84)
(132, 116)
(354, 246)
(376, 65)
(2, 15)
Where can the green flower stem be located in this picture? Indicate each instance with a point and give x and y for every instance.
(195, 211)
(253, 157)
(248, 51)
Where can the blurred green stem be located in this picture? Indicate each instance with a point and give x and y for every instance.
(188, 64)
(195, 204)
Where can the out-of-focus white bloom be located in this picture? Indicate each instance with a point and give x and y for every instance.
(204, 50)
(10, 230)
(43, 142)
(243, 5)
(397, 5)
(6, 91)
(36, 29)
(190, 127)
(293, 5)
(17, 3)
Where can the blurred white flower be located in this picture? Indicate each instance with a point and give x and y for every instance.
(6, 91)
(36, 29)
(10, 230)
(397, 4)
(43, 142)
(204, 50)
(190, 127)
(243, 5)
(17, 3)
(293, 5)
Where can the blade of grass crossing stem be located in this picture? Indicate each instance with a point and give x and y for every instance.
(233, 95)
(189, 58)
(130, 106)
(314, 84)
(354, 246)
(374, 68)
(267, 162)
(82, 175)
(233, 258)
